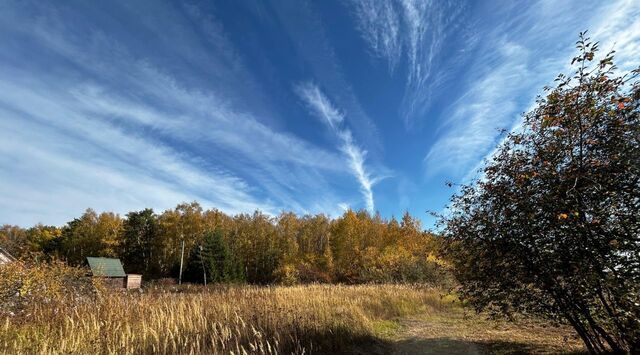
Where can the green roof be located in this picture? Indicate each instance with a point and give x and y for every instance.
(107, 267)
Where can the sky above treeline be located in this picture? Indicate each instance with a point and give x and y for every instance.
(308, 106)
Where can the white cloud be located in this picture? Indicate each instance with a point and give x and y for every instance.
(620, 30)
(109, 129)
(489, 104)
(58, 150)
(418, 29)
(321, 107)
(303, 25)
(318, 103)
(379, 24)
(356, 162)
(512, 72)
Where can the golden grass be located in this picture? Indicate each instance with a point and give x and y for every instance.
(243, 319)
(234, 319)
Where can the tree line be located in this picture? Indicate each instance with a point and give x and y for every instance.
(353, 248)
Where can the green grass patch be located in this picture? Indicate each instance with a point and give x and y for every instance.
(386, 328)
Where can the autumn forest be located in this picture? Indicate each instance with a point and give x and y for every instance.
(353, 248)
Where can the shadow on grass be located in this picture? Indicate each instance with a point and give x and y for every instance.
(342, 340)
(455, 347)
(350, 344)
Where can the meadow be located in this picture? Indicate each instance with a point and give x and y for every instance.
(274, 319)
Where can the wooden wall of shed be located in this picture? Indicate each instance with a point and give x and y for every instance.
(5, 258)
(114, 282)
(133, 281)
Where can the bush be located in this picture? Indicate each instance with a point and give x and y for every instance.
(552, 227)
(26, 287)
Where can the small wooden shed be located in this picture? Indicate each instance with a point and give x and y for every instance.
(5, 257)
(112, 272)
(133, 281)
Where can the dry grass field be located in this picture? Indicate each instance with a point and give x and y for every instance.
(250, 319)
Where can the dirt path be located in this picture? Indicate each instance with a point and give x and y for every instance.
(457, 334)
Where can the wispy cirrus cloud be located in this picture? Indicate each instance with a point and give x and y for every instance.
(487, 105)
(66, 156)
(113, 106)
(379, 23)
(356, 162)
(521, 57)
(110, 128)
(413, 29)
(303, 24)
(620, 30)
(321, 107)
(515, 51)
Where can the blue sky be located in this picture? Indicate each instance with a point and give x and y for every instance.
(309, 106)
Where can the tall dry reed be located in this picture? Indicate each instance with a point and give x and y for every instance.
(231, 319)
